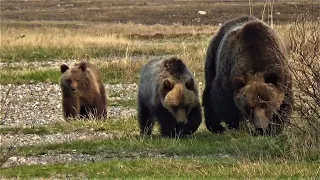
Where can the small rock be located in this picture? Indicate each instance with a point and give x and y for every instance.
(202, 12)
(13, 158)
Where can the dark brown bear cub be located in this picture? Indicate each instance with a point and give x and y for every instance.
(247, 77)
(83, 92)
(168, 93)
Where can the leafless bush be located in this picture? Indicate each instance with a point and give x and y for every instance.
(304, 49)
(4, 103)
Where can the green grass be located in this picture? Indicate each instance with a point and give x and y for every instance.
(49, 53)
(169, 168)
(112, 73)
(201, 144)
(123, 103)
(26, 76)
(112, 124)
(42, 53)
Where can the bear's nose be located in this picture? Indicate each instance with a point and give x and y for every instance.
(182, 122)
(72, 89)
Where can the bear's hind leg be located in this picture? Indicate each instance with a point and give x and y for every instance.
(145, 120)
(100, 108)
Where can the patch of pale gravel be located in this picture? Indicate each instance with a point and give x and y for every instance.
(39, 104)
(35, 64)
(18, 140)
(57, 63)
(76, 157)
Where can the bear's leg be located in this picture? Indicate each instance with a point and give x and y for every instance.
(212, 122)
(234, 124)
(145, 120)
(71, 107)
(194, 121)
(85, 112)
(100, 108)
(168, 124)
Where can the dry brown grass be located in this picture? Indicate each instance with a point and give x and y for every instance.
(50, 27)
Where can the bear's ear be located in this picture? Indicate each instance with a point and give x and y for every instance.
(83, 66)
(190, 84)
(64, 68)
(238, 82)
(272, 77)
(167, 85)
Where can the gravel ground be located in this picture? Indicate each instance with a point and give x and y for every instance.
(79, 157)
(30, 105)
(18, 140)
(75, 157)
(35, 64)
(38, 104)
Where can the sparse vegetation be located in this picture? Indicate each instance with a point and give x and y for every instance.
(304, 48)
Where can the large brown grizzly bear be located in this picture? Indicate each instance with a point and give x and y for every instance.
(83, 92)
(247, 77)
(168, 92)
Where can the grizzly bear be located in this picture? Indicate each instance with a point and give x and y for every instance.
(168, 93)
(247, 78)
(83, 92)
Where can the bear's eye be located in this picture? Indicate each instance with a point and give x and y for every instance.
(187, 108)
(190, 84)
(68, 81)
(238, 83)
(272, 78)
(248, 109)
(174, 108)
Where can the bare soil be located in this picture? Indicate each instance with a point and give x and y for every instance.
(152, 12)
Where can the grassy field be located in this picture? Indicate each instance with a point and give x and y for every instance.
(203, 155)
(33, 46)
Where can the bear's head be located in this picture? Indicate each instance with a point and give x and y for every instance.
(74, 78)
(179, 98)
(259, 97)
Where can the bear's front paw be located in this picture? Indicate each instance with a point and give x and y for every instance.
(217, 129)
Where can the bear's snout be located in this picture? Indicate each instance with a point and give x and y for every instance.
(260, 120)
(181, 116)
(72, 89)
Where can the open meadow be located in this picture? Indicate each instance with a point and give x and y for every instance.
(120, 36)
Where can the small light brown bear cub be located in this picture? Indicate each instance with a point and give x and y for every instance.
(83, 92)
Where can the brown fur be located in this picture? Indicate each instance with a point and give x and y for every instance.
(168, 93)
(83, 92)
(179, 101)
(247, 76)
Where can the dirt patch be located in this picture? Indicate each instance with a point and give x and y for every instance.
(184, 12)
